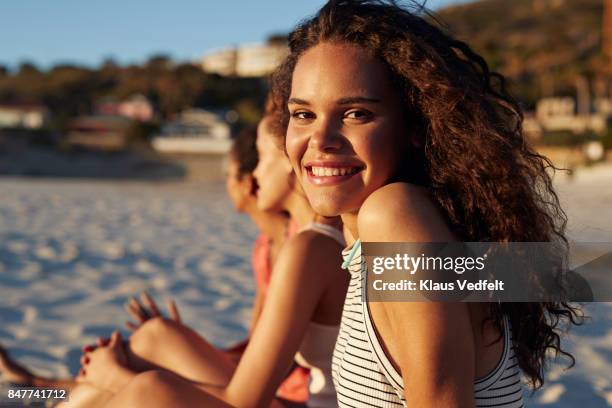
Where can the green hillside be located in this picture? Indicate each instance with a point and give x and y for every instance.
(540, 45)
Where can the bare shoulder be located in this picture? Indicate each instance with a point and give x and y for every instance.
(310, 242)
(402, 212)
(311, 253)
(408, 193)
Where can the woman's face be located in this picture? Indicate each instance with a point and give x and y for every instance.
(346, 134)
(273, 171)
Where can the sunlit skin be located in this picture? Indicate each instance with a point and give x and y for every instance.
(345, 113)
(273, 171)
(352, 120)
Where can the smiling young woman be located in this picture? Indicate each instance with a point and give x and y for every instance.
(403, 131)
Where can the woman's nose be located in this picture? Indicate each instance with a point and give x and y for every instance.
(326, 138)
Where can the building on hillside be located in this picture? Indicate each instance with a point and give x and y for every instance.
(99, 132)
(222, 62)
(194, 131)
(136, 107)
(106, 107)
(560, 114)
(25, 116)
(603, 105)
(252, 60)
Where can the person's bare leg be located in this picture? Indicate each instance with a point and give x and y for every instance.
(159, 344)
(84, 395)
(165, 344)
(171, 350)
(163, 389)
(15, 373)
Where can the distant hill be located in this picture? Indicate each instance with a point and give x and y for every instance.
(540, 45)
(69, 91)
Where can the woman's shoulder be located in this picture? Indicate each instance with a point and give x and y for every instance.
(402, 212)
(312, 251)
(307, 241)
(396, 198)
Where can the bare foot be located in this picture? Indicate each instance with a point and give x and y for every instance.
(12, 372)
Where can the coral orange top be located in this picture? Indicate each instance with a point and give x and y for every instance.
(262, 266)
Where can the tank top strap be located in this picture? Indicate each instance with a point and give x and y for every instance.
(325, 229)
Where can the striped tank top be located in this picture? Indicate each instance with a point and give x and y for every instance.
(364, 376)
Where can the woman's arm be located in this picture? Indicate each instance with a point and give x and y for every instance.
(298, 282)
(431, 344)
(257, 308)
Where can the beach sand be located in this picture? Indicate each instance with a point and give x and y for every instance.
(72, 252)
(587, 199)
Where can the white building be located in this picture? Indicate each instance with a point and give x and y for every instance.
(194, 131)
(23, 116)
(603, 105)
(222, 62)
(252, 60)
(559, 114)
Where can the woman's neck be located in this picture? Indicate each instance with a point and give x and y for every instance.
(350, 223)
(272, 224)
(300, 210)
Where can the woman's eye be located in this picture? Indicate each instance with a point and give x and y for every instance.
(302, 115)
(360, 115)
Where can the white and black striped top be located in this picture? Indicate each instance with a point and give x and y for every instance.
(364, 376)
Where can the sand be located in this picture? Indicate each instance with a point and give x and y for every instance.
(72, 252)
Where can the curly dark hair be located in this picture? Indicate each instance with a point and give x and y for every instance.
(244, 150)
(487, 180)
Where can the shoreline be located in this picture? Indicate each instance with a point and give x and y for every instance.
(135, 165)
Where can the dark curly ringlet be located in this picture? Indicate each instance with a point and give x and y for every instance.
(244, 150)
(487, 180)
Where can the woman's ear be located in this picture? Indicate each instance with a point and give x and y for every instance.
(248, 185)
(252, 186)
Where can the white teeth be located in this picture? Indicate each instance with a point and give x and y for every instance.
(332, 171)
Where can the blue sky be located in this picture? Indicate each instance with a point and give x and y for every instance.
(86, 32)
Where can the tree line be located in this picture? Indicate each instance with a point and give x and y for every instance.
(71, 90)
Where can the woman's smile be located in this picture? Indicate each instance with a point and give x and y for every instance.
(325, 173)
